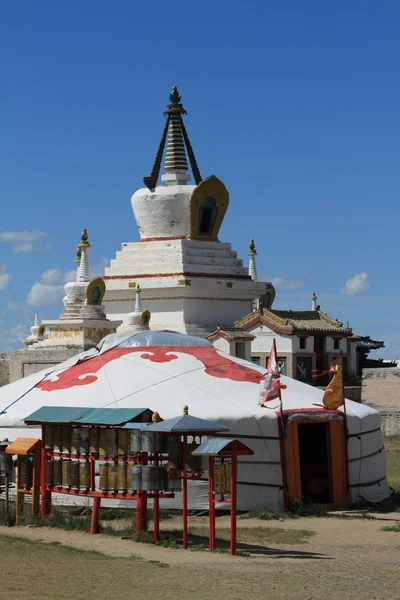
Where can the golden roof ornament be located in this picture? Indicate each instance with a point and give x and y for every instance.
(186, 410)
(84, 243)
(252, 250)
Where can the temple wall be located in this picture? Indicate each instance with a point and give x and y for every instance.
(22, 363)
(381, 389)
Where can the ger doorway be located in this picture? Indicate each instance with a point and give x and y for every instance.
(316, 471)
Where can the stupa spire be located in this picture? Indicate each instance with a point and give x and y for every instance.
(252, 252)
(82, 274)
(314, 299)
(178, 146)
(139, 319)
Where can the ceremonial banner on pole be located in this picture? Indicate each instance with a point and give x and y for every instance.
(334, 393)
(271, 384)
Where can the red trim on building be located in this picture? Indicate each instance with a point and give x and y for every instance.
(158, 275)
(162, 239)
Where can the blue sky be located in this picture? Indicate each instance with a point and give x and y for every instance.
(294, 105)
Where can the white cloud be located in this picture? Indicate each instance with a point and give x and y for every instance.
(358, 284)
(49, 290)
(15, 322)
(5, 278)
(26, 241)
(285, 283)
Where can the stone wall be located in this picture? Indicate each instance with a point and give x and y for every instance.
(22, 363)
(381, 389)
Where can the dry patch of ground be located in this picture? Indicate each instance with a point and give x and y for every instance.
(342, 559)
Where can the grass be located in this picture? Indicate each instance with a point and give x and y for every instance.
(296, 511)
(392, 447)
(395, 527)
(249, 535)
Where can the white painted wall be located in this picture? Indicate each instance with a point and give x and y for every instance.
(264, 338)
(223, 345)
(330, 345)
(309, 345)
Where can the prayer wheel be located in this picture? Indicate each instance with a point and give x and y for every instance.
(150, 478)
(113, 477)
(104, 477)
(124, 440)
(85, 440)
(149, 441)
(228, 474)
(27, 474)
(66, 440)
(122, 477)
(136, 483)
(103, 442)
(75, 440)
(84, 475)
(50, 472)
(58, 473)
(57, 439)
(94, 440)
(136, 441)
(174, 485)
(164, 480)
(66, 473)
(49, 437)
(193, 463)
(175, 453)
(75, 469)
(112, 442)
(129, 478)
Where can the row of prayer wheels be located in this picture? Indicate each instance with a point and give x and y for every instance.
(114, 476)
(72, 474)
(103, 441)
(110, 443)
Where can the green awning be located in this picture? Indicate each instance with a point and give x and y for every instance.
(87, 416)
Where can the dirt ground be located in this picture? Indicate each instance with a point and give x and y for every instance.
(345, 558)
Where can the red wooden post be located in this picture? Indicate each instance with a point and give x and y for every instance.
(233, 503)
(211, 503)
(94, 525)
(156, 508)
(141, 511)
(184, 496)
(44, 494)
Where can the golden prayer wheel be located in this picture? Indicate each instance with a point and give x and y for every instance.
(103, 441)
(58, 473)
(113, 477)
(66, 440)
(66, 473)
(112, 442)
(129, 477)
(75, 440)
(57, 439)
(104, 477)
(84, 475)
(50, 472)
(122, 477)
(124, 440)
(94, 440)
(75, 468)
(49, 437)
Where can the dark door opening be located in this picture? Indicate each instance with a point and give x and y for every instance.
(315, 463)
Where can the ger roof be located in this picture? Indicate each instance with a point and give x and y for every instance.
(84, 416)
(293, 321)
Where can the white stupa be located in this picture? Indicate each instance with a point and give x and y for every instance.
(191, 281)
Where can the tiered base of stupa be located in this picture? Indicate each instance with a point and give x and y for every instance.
(189, 286)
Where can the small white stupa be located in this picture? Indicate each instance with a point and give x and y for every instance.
(139, 319)
(83, 322)
(37, 332)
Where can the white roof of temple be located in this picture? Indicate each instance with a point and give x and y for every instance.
(164, 371)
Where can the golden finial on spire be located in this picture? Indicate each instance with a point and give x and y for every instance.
(138, 288)
(186, 410)
(252, 250)
(78, 255)
(314, 296)
(84, 243)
